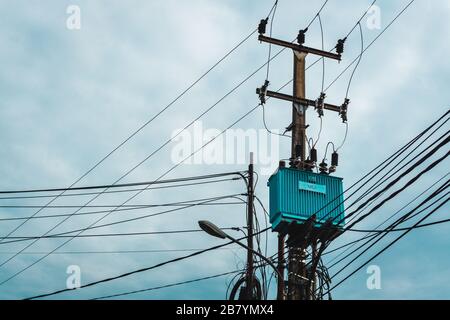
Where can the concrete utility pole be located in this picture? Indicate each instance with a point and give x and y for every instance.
(300, 282)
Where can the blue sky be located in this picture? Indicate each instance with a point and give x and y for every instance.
(70, 96)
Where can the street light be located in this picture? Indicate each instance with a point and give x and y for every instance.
(213, 230)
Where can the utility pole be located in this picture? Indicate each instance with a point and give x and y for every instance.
(250, 210)
(300, 283)
(297, 271)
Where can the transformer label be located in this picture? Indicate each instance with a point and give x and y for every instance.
(307, 186)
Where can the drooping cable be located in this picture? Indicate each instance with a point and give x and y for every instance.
(123, 275)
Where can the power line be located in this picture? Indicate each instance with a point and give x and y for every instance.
(360, 19)
(119, 191)
(382, 235)
(116, 251)
(171, 169)
(133, 184)
(369, 45)
(92, 226)
(150, 120)
(359, 60)
(410, 182)
(150, 155)
(124, 234)
(386, 220)
(167, 285)
(385, 164)
(389, 245)
(118, 210)
(405, 228)
(317, 14)
(128, 206)
(142, 269)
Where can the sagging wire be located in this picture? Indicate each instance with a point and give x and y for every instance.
(323, 166)
(359, 60)
(267, 128)
(266, 82)
(318, 135)
(323, 58)
(345, 137)
(344, 107)
(318, 13)
(273, 11)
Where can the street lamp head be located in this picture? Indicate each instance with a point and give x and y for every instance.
(212, 229)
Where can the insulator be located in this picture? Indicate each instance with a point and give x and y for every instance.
(343, 110)
(301, 36)
(282, 164)
(263, 91)
(313, 154)
(332, 169)
(323, 167)
(262, 26)
(320, 104)
(340, 46)
(334, 159)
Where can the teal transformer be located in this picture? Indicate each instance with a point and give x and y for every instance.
(295, 195)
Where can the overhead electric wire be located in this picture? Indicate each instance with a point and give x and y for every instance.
(154, 152)
(119, 191)
(406, 228)
(71, 232)
(317, 14)
(360, 19)
(170, 285)
(148, 121)
(168, 171)
(410, 182)
(274, 10)
(158, 265)
(115, 251)
(127, 207)
(323, 58)
(395, 155)
(380, 236)
(133, 184)
(352, 243)
(137, 206)
(385, 164)
(403, 149)
(345, 137)
(104, 211)
(369, 45)
(123, 234)
(359, 60)
(268, 62)
(388, 246)
(391, 227)
(167, 285)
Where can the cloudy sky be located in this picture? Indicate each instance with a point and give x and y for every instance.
(69, 96)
